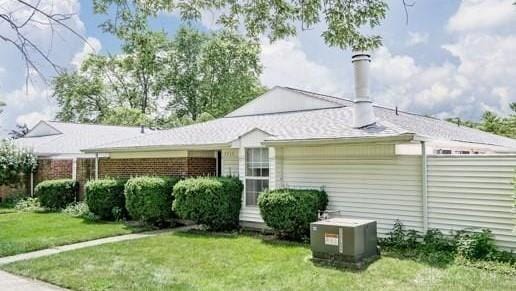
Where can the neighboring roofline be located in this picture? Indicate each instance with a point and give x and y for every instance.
(96, 124)
(214, 146)
(37, 124)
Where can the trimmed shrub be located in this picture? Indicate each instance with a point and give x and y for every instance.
(289, 212)
(212, 201)
(57, 194)
(149, 199)
(105, 198)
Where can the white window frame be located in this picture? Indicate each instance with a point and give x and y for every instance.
(263, 178)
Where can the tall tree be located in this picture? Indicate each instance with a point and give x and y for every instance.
(194, 73)
(2, 104)
(344, 20)
(211, 73)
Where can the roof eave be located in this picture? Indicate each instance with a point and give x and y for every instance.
(158, 148)
(405, 137)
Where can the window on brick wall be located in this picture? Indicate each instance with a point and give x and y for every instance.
(256, 174)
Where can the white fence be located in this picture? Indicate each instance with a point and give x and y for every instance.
(473, 192)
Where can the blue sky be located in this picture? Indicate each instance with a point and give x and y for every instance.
(453, 58)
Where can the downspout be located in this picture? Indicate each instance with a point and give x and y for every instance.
(96, 166)
(424, 185)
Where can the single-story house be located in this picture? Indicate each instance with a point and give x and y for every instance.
(374, 162)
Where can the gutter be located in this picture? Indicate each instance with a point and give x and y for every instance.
(157, 148)
(346, 140)
(424, 185)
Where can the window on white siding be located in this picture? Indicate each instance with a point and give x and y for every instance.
(256, 174)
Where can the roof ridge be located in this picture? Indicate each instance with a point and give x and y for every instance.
(286, 112)
(350, 100)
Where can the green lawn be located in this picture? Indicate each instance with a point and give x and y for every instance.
(27, 231)
(188, 261)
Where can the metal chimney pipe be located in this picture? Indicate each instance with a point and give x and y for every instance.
(363, 113)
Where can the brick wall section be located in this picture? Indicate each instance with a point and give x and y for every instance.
(126, 168)
(53, 169)
(202, 167)
(184, 167)
(121, 168)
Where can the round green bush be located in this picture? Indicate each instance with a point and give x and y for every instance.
(149, 199)
(212, 201)
(105, 198)
(289, 212)
(57, 194)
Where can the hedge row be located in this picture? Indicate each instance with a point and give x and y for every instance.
(211, 201)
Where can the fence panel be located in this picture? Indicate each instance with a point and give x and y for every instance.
(473, 192)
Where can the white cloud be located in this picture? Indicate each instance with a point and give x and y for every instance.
(416, 38)
(26, 103)
(482, 14)
(30, 119)
(92, 46)
(286, 64)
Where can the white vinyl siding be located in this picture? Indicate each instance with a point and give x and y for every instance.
(363, 181)
(473, 192)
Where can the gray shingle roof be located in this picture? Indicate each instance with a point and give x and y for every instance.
(75, 136)
(312, 124)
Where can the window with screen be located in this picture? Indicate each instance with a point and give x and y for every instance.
(257, 174)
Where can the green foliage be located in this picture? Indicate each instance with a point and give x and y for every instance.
(289, 212)
(475, 245)
(80, 209)
(11, 199)
(28, 204)
(493, 123)
(344, 21)
(105, 198)
(149, 199)
(57, 194)
(465, 246)
(126, 116)
(211, 73)
(212, 201)
(199, 76)
(15, 161)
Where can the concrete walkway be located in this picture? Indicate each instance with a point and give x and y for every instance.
(13, 282)
(16, 283)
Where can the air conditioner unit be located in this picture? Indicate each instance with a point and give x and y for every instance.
(344, 242)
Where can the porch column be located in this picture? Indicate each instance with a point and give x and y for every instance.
(74, 169)
(31, 183)
(96, 166)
